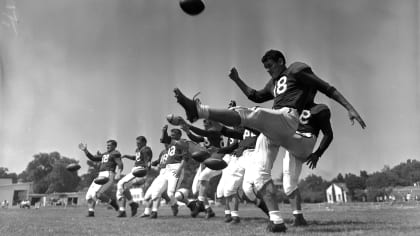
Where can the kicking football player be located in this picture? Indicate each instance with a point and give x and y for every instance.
(111, 167)
(174, 171)
(143, 156)
(315, 118)
(213, 141)
(233, 174)
(153, 194)
(290, 88)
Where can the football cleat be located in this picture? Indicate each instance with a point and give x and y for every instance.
(276, 228)
(134, 206)
(144, 215)
(299, 221)
(236, 220)
(174, 209)
(91, 214)
(198, 207)
(210, 213)
(121, 214)
(192, 205)
(228, 218)
(190, 106)
(153, 215)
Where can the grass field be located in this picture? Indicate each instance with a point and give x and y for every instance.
(349, 219)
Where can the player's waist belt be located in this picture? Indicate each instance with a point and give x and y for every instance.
(305, 134)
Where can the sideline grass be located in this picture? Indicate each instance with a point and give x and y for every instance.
(349, 219)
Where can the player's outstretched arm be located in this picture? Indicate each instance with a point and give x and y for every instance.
(130, 157)
(83, 147)
(308, 77)
(165, 137)
(353, 114)
(327, 138)
(253, 95)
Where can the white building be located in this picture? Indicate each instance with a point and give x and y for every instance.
(338, 193)
(14, 193)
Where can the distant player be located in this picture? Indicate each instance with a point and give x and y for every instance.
(142, 158)
(153, 194)
(213, 141)
(170, 178)
(290, 88)
(111, 167)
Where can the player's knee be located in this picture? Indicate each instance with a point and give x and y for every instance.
(289, 186)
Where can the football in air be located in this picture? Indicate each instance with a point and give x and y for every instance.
(139, 171)
(175, 120)
(200, 156)
(215, 163)
(192, 7)
(101, 180)
(73, 167)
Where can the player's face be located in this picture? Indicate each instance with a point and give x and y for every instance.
(139, 143)
(274, 68)
(175, 135)
(206, 124)
(110, 147)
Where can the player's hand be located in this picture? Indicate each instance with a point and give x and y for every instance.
(353, 115)
(234, 75)
(83, 146)
(312, 160)
(165, 128)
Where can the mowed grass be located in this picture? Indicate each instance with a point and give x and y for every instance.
(323, 219)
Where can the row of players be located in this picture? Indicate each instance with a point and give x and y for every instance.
(237, 155)
(294, 123)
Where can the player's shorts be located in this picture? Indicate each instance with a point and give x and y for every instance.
(277, 125)
(292, 163)
(95, 189)
(126, 182)
(166, 180)
(233, 174)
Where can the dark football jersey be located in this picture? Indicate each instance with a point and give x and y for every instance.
(248, 142)
(290, 89)
(143, 156)
(108, 160)
(213, 141)
(313, 118)
(175, 154)
(163, 156)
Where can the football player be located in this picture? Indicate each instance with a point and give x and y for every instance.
(315, 118)
(290, 88)
(172, 175)
(142, 158)
(111, 167)
(159, 185)
(213, 141)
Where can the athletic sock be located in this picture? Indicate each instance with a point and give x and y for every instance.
(275, 216)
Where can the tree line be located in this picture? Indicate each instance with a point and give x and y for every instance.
(48, 173)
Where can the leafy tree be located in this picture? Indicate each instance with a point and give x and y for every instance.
(4, 174)
(313, 188)
(48, 174)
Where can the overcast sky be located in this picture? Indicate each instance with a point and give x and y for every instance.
(103, 69)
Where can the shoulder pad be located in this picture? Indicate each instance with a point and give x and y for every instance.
(297, 67)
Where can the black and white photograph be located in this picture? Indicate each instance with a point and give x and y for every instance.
(209, 117)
